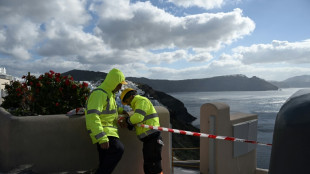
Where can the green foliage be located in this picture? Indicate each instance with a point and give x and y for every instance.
(50, 93)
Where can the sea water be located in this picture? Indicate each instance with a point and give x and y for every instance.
(266, 104)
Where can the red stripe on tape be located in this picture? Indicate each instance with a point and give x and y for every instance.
(249, 141)
(196, 134)
(230, 138)
(182, 132)
(212, 136)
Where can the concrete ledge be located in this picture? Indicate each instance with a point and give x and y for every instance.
(57, 143)
(261, 171)
(242, 117)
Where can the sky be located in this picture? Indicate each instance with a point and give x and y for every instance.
(157, 39)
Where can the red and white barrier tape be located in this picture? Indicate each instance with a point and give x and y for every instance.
(202, 135)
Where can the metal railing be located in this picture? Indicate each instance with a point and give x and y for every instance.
(183, 165)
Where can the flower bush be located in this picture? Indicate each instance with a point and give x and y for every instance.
(50, 93)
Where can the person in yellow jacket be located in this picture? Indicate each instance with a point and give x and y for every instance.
(101, 121)
(144, 113)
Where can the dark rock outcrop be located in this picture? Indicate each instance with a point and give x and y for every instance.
(83, 75)
(176, 107)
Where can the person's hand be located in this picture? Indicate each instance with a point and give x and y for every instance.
(104, 145)
(122, 122)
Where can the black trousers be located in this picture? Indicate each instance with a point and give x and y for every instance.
(152, 147)
(109, 158)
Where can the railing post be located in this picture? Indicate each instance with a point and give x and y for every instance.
(222, 157)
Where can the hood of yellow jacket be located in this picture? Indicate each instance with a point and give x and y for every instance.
(113, 78)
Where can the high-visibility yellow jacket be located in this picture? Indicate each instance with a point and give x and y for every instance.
(101, 110)
(144, 113)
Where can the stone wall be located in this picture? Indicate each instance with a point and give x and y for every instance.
(58, 143)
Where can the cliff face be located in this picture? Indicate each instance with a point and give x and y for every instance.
(294, 82)
(220, 83)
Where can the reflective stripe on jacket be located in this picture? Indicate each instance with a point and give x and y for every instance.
(145, 113)
(101, 110)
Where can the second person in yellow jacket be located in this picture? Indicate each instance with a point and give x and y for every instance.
(144, 113)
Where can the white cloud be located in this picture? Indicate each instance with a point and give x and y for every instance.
(200, 57)
(116, 9)
(64, 40)
(21, 23)
(206, 4)
(70, 11)
(18, 38)
(39, 66)
(228, 65)
(138, 38)
(276, 52)
(166, 57)
(152, 28)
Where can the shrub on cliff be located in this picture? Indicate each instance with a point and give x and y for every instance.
(50, 93)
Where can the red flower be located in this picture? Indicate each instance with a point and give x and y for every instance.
(38, 84)
(85, 84)
(30, 83)
(57, 79)
(50, 76)
(24, 77)
(67, 82)
(73, 86)
(52, 72)
(57, 104)
(57, 74)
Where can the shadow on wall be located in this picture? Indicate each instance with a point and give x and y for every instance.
(57, 143)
